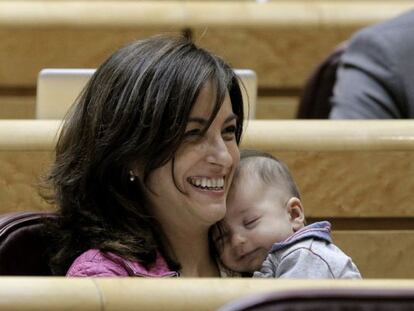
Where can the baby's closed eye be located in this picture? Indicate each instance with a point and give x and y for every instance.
(251, 222)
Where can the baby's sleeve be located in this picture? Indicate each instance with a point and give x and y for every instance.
(303, 263)
(268, 269)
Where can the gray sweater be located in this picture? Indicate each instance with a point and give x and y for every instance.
(375, 79)
(308, 254)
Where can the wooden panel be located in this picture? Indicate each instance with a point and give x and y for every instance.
(26, 151)
(354, 183)
(281, 56)
(334, 184)
(25, 51)
(379, 254)
(17, 107)
(20, 174)
(276, 107)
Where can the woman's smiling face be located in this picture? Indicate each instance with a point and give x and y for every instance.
(192, 188)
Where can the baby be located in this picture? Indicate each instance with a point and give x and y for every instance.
(264, 229)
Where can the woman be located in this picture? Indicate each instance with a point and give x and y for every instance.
(144, 162)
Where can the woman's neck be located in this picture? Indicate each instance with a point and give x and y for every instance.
(192, 252)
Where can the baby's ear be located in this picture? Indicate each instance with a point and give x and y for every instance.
(297, 216)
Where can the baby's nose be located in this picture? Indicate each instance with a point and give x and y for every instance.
(238, 239)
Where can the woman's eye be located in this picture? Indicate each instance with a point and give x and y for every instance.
(195, 133)
(230, 132)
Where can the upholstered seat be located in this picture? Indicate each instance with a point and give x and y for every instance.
(356, 299)
(315, 99)
(23, 243)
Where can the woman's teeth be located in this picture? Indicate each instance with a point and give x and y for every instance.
(207, 183)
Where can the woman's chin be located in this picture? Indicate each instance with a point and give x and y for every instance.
(214, 212)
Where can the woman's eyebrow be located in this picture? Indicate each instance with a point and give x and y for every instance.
(231, 118)
(197, 120)
(203, 121)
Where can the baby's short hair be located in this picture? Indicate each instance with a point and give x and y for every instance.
(268, 168)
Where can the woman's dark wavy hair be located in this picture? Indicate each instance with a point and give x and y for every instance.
(133, 111)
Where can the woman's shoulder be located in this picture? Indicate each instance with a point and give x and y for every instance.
(93, 262)
(96, 263)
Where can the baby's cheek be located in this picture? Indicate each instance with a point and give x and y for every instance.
(225, 255)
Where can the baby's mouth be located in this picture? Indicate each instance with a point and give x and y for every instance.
(248, 255)
(207, 183)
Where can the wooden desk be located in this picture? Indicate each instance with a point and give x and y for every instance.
(24, 294)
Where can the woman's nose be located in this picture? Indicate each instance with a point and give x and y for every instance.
(219, 153)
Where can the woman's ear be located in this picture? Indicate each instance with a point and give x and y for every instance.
(136, 170)
(135, 174)
(296, 213)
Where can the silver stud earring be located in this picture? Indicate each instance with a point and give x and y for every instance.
(131, 176)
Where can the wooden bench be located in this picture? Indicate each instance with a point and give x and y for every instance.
(357, 174)
(87, 294)
(281, 40)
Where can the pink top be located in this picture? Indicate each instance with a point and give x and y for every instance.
(96, 264)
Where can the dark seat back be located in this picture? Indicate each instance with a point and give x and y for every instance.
(23, 243)
(315, 99)
(356, 299)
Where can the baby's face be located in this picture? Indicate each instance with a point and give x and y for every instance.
(256, 218)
